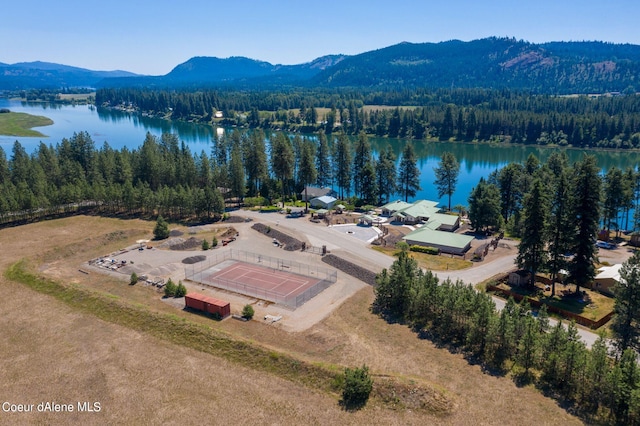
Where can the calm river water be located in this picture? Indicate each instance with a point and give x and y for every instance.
(125, 130)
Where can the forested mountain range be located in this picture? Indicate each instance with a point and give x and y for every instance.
(555, 68)
(46, 75)
(492, 63)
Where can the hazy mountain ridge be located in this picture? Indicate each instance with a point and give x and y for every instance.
(39, 75)
(555, 67)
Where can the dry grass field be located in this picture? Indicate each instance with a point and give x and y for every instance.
(55, 349)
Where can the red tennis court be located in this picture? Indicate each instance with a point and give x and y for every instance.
(273, 284)
(277, 281)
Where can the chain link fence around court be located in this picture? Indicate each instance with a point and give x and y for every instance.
(325, 276)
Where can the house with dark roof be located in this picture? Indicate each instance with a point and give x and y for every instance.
(315, 192)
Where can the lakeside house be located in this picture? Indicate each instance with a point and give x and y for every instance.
(435, 229)
(311, 192)
(608, 277)
(411, 213)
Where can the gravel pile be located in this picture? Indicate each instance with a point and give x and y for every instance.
(189, 244)
(290, 243)
(193, 259)
(178, 243)
(236, 219)
(175, 233)
(231, 232)
(349, 268)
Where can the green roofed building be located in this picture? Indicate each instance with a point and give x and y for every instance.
(446, 242)
(419, 211)
(444, 222)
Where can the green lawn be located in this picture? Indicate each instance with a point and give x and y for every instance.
(20, 124)
(429, 261)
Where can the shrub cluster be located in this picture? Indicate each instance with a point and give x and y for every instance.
(173, 290)
(357, 387)
(423, 249)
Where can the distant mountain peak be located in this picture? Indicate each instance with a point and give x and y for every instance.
(493, 62)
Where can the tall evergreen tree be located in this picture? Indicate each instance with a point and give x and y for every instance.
(203, 165)
(5, 174)
(626, 323)
(255, 161)
(307, 173)
(447, 176)
(586, 211)
(529, 345)
(408, 173)
(361, 158)
(323, 161)
(614, 193)
(509, 181)
(532, 252)
(594, 387)
(636, 200)
(393, 289)
(560, 229)
(386, 175)
(369, 184)
(484, 207)
(236, 173)
(628, 182)
(342, 165)
(282, 160)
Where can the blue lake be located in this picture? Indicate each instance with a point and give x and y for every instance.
(127, 130)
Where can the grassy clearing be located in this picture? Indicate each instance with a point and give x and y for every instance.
(178, 330)
(20, 124)
(429, 261)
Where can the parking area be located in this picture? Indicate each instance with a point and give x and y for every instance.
(360, 232)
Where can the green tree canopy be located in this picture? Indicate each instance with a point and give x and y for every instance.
(408, 173)
(532, 253)
(626, 322)
(161, 230)
(447, 176)
(484, 207)
(586, 211)
(358, 385)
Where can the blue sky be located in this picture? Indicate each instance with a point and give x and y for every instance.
(151, 37)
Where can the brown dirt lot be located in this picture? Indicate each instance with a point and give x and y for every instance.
(52, 352)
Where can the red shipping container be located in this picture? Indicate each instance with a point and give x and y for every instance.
(208, 304)
(194, 301)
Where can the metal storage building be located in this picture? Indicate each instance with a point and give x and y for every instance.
(207, 304)
(446, 242)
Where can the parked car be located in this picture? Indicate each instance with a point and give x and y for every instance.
(606, 245)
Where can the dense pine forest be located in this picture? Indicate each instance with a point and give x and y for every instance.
(481, 115)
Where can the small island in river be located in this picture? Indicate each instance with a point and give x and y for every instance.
(21, 124)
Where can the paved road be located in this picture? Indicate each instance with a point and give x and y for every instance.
(358, 251)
